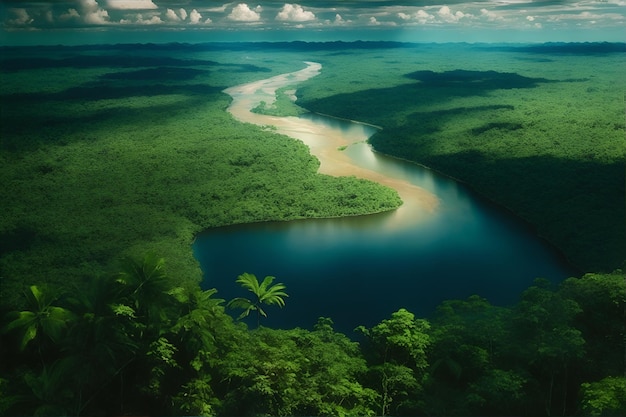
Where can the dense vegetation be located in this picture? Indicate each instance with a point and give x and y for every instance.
(117, 150)
(137, 342)
(537, 129)
(106, 153)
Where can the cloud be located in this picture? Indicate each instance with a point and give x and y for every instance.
(140, 20)
(172, 16)
(447, 16)
(339, 20)
(294, 13)
(92, 14)
(491, 16)
(131, 4)
(242, 13)
(194, 17)
(419, 16)
(70, 15)
(22, 18)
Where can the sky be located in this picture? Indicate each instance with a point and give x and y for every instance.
(127, 21)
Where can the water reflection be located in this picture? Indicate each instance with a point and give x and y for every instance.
(359, 270)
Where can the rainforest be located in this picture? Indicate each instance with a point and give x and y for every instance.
(115, 159)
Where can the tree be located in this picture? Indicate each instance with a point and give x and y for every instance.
(605, 398)
(550, 344)
(602, 298)
(397, 356)
(295, 372)
(469, 369)
(41, 319)
(265, 293)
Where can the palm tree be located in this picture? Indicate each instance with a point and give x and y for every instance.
(41, 318)
(148, 291)
(265, 293)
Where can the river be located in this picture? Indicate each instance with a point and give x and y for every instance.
(444, 242)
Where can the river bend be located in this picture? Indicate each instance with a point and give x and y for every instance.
(444, 242)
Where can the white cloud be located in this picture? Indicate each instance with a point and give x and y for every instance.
(294, 13)
(420, 17)
(21, 18)
(373, 21)
(140, 20)
(131, 4)
(194, 17)
(92, 13)
(183, 13)
(70, 14)
(446, 14)
(171, 15)
(491, 16)
(530, 18)
(243, 13)
(97, 17)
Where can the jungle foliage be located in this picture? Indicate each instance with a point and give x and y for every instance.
(538, 129)
(102, 155)
(136, 342)
(107, 152)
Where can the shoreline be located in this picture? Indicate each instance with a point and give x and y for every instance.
(323, 141)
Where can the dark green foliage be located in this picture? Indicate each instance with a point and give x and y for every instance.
(183, 355)
(544, 140)
(95, 166)
(90, 177)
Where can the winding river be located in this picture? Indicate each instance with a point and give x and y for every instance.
(444, 242)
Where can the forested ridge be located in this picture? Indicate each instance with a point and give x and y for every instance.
(111, 152)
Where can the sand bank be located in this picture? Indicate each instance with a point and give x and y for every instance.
(323, 140)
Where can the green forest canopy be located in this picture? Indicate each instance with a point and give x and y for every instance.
(113, 151)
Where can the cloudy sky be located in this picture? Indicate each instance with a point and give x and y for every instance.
(405, 20)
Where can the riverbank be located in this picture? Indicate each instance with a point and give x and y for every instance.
(538, 132)
(101, 161)
(325, 142)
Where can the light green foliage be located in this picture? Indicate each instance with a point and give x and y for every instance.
(605, 398)
(264, 293)
(105, 158)
(296, 372)
(540, 133)
(397, 357)
(283, 106)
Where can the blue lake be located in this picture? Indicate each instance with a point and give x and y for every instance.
(359, 270)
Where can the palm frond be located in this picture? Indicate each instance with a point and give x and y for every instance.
(249, 282)
(240, 302)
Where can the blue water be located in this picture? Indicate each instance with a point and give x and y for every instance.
(359, 270)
